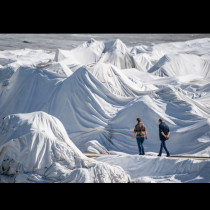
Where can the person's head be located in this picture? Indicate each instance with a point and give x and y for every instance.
(160, 121)
(138, 120)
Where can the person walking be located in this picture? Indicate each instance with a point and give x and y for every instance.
(164, 133)
(141, 133)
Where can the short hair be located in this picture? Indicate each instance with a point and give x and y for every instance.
(160, 120)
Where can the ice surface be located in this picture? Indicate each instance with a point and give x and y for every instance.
(96, 90)
(70, 41)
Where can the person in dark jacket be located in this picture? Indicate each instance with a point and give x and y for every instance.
(164, 133)
(141, 133)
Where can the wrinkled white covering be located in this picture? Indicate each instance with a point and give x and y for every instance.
(98, 89)
(95, 147)
(37, 145)
(182, 64)
(151, 169)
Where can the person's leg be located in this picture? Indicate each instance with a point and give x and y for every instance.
(161, 148)
(164, 146)
(138, 143)
(141, 144)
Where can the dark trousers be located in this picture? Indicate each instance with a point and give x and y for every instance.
(163, 145)
(140, 141)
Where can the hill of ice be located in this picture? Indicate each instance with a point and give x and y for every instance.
(96, 91)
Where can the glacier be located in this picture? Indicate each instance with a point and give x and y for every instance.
(57, 105)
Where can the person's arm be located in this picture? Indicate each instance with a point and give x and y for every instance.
(163, 134)
(168, 134)
(146, 134)
(134, 133)
(161, 131)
